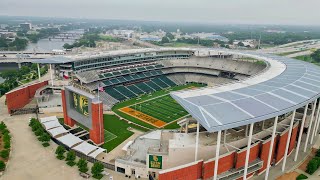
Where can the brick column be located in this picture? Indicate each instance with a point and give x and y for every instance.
(97, 130)
(67, 120)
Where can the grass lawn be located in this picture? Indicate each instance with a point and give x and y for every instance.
(118, 128)
(146, 97)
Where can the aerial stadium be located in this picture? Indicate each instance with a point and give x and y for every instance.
(205, 113)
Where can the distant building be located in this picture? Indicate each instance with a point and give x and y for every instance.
(26, 26)
(7, 35)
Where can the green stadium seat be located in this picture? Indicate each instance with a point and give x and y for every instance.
(144, 87)
(159, 83)
(125, 91)
(135, 89)
(112, 92)
(153, 85)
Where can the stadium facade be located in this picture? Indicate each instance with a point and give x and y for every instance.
(256, 110)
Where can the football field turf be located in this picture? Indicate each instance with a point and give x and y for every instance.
(155, 110)
(164, 108)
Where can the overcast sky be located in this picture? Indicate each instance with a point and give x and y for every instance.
(211, 11)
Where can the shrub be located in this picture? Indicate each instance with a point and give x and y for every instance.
(60, 152)
(318, 153)
(44, 137)
(39, 132)
(71, 157)
(2, 166)
(312, 166)
(2, 126)
(4, 154)
(45, 144)
(302, 176)
(7, 145)
(82, 165)
(97, 170)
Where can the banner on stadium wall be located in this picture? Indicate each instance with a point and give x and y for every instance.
(80, 104)
(155, 162)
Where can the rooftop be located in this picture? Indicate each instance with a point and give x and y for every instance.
(287, 85)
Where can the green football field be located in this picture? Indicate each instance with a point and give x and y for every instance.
(159, 105)
(164, 108)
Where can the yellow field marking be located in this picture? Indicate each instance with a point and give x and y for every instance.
(143, 117)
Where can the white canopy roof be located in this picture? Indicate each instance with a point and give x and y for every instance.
(95, 153)
(69, 140)
(47, 119)
(85, 148)
(125, 147)
(51, 124)
(57, 131)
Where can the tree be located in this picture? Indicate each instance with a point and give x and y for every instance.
(44, 137)
(240, 44)
(170, 36)
(2, 166)
(60, 152)
(312, 166)
(316, 55)
(71, 157)
(97, 170)
(165, 40)
(82, 165)
(4, 154)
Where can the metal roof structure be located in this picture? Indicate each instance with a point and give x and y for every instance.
(286, 84)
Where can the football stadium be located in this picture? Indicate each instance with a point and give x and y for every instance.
(202, 113)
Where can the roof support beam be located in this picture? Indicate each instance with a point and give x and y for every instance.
(310, 125)
(301, 131)
(271, 147)
(248, 152)
(288, 142)
(315, 124)
(197, 143)
(216, 162)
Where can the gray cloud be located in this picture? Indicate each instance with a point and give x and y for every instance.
(211, 11)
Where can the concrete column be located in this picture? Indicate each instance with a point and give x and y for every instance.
(310, 125)
(288, 142)
(39, 75)
(262, 126)
(246, 131)
(248, 152)
(225, 136)
(216, 162)
(51, 74)
(271, 146)
(301, 132)
(197, 142)
(315, 124)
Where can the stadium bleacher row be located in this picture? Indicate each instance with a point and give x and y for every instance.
(130, 71)
(132, 77)
(123, 92)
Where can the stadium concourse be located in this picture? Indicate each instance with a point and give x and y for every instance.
(253, 113)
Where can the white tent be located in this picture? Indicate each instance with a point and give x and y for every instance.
(85, 148)
(69, 140)
(51, 124)
(57, 131)
(95, 153)
(47, 119)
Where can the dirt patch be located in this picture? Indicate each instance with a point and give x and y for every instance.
(303, 166)
(290, 175)
(2, 148)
